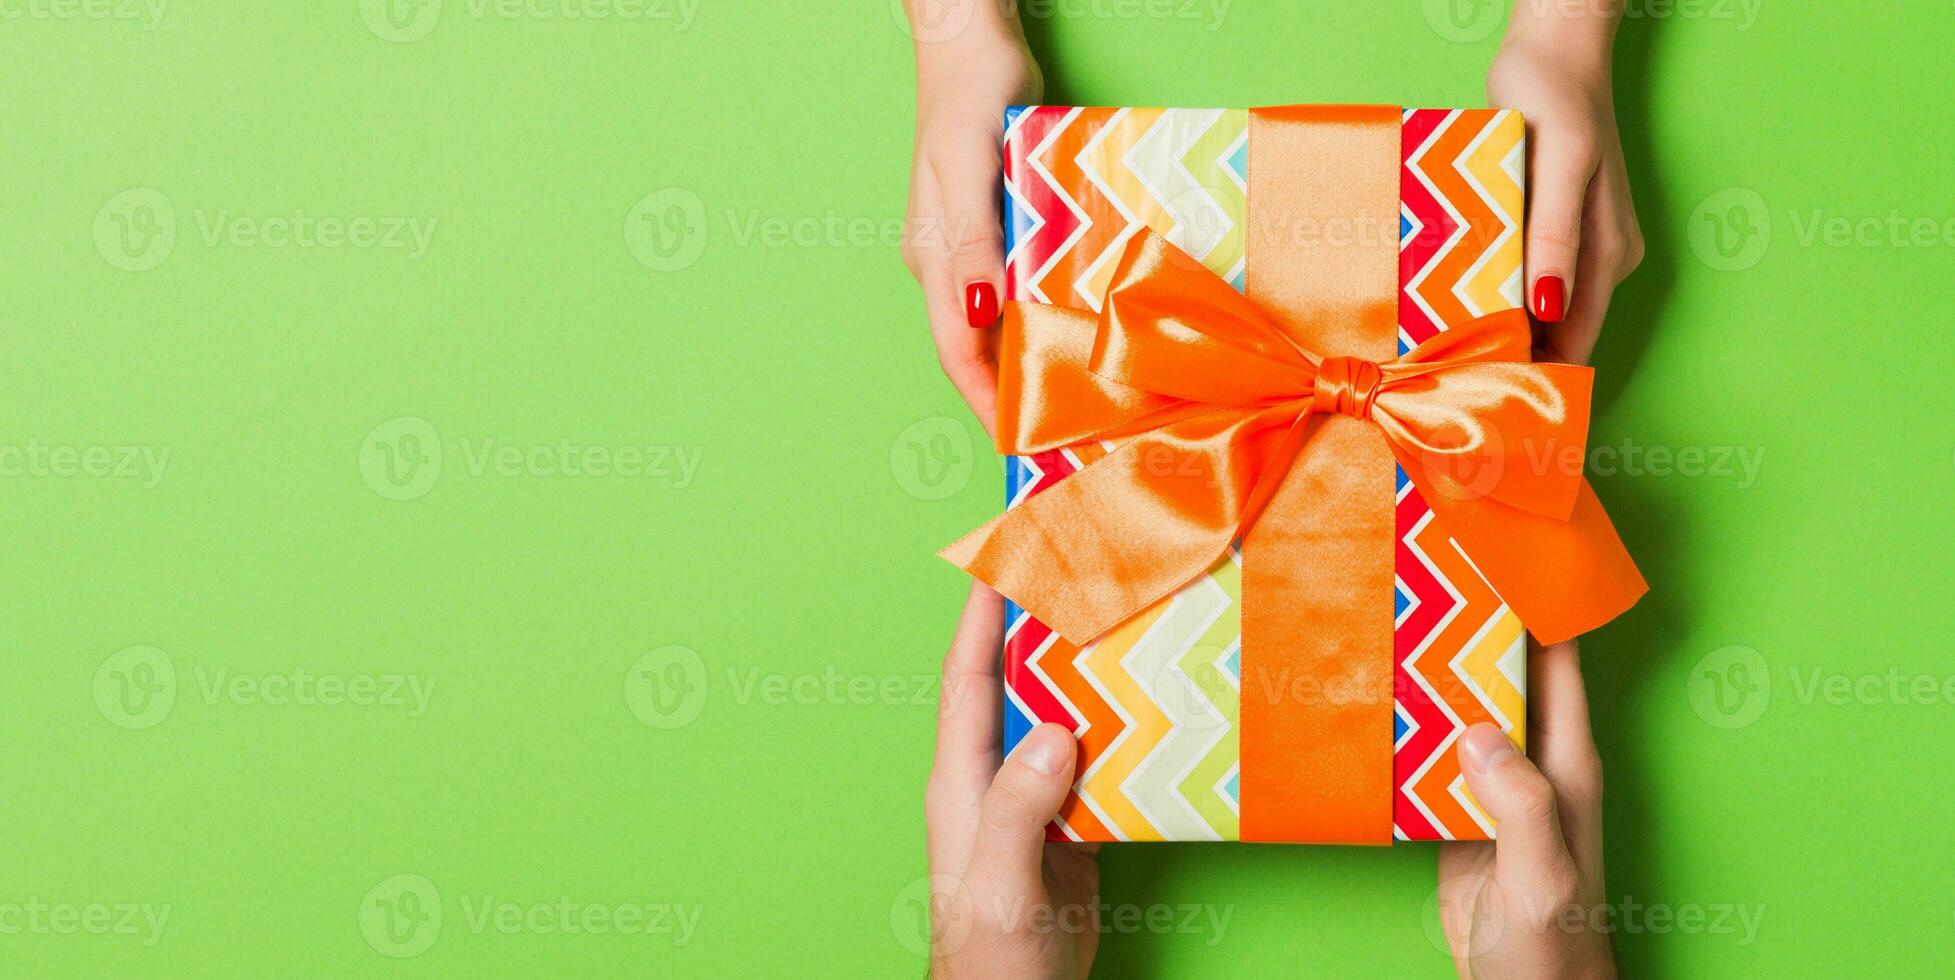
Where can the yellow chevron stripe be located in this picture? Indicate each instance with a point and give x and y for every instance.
(1102, 788)
(1481, 666)
(1106, 157)
(1505, 134)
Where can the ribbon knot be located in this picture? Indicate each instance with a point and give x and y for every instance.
(1346, 386)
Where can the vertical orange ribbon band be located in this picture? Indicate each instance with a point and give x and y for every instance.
(1323, 772)
(1275, 419)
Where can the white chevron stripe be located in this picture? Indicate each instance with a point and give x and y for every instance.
(1153, 786)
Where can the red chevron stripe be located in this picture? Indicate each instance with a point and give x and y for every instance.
(1431, 724)
(1026, 684)
(1043, 198)
(1435, 225)
(1480, 606)
(1032, 127)
(1102, 223)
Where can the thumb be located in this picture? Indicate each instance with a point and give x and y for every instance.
(1527, 839)
(1024, 797)
(1560, 172)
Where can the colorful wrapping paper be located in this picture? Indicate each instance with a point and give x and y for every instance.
(1154, 703)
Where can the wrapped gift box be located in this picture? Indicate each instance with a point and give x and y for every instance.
(1155, 702)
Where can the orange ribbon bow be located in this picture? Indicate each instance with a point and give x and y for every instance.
(1213, 399)
(1258, 418)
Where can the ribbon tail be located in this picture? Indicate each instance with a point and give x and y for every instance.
(1108, 541)
(1562, 578)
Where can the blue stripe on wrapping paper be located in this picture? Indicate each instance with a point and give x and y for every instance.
(1017, 723)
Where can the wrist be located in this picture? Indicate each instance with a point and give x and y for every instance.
(1577, 33)
(950, 27)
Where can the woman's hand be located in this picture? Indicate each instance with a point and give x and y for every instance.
(1582, 237)
(1530, 904)
(971, 63)
(1003, 902)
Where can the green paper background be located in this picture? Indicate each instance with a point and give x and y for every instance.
(799, 377)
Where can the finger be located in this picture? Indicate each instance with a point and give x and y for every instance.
(1563, 745)
(970, 181)
(1606, 260)
(1527, 840)
(1560, 169)
(969, 704)
(1025, 797)
(966, 355)
(1573, 340)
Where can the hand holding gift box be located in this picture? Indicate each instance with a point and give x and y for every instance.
(1231, 445)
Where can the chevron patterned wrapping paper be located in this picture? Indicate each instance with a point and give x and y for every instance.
(1154, 701)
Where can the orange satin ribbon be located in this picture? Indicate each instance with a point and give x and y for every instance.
(1214, 396)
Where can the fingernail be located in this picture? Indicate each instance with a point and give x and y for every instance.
(1485, 746)
(980, 305)
(1044, 750)
(1550, 299)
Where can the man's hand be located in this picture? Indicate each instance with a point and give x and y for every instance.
(1522, 905)
(1004, 903)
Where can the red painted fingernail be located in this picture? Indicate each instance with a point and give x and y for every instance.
(1550, 299)
(980, 305)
